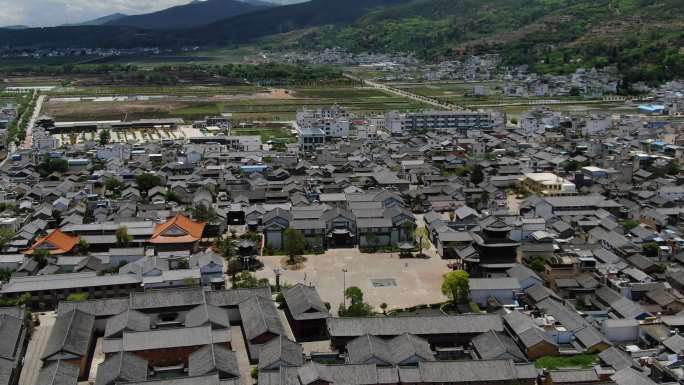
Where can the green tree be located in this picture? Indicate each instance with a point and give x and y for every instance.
(651, 249)
(477, 176)
(247, 280)
(82, 247)
(356, 308)
(409, 229)
(77, 297)
(629, 224)
(123, 239)
(146, 181)
(171, 196)
(5, 275)
(105, 137)
(114, 184)
(383, 307)
(455, 286)
(673, 168)
(371, 239)
(571, 165)
(41, 257)
(227, 250)
(537, 263)
(6, 235)
(50, 165)
(294, 243)
(204, 213)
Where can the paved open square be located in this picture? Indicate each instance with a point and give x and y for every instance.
(383, 277)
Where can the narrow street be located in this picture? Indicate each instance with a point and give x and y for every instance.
(238, 343)
(28, 142)
(36, 346)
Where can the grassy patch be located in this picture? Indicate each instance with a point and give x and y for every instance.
(278, 134)
(578, 361)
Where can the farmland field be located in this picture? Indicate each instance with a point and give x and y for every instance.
(246, 103)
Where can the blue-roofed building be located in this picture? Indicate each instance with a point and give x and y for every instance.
(652, 109)
(249, 169)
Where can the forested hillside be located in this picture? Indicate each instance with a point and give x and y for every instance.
(643, 37)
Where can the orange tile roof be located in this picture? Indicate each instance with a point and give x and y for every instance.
(193, 230)
(62, 242)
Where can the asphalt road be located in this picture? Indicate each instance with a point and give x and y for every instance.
(36, 346)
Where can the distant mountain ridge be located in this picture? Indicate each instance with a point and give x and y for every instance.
(194, 14)
(99, 21)
(128, 32)
(642, 38)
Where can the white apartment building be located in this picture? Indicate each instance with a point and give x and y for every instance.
(457, 121)
(334, 121)
(548, 184)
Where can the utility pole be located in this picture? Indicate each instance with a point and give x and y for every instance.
(344, 287)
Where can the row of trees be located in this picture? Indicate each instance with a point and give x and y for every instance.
(169, 75)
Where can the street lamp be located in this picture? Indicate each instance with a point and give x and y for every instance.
(277, 279)
(344, 287)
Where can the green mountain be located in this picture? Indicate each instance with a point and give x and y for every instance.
(194, 14)
(231, 31)
(644, 38)
(99, 21)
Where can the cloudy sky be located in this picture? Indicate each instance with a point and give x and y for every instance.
(38, 13)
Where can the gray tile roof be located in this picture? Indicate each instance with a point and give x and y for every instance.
(475, 371)
(567, 317)
(58, 373)
(338, 374)
(207, 314)
(304, 302)
(130, 320)
(71, 333)
(522, 273)
(410, 349)
(172, 338)
(616, 358)
(259, 316)
(494, 284)
(280, 351)
(166, 298)
(394, 326)
(121, 367)
(675, 344)
(66, 281)
(369, 349)
(497, 346)
(213, 358)
(589, 337)
(233, 297)
(210, 379)
(573, 376)
(11, 330)
(526, 330)
(97, 307)
(629, 376)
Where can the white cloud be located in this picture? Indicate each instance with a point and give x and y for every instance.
(37, 13)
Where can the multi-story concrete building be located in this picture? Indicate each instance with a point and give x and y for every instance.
(548, 184)
(457, 121)
(311, 138)
(334, 121)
